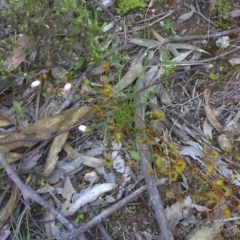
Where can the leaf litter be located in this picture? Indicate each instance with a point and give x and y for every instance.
(51, 155)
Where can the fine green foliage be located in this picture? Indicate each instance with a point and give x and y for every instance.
(168, 65)
(19, 111)
(79, 218)
(56, 28)
(126, 5)
(213, 76)
(223, 7)
(169, 27)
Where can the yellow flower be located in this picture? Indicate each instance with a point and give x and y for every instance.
(173, 176)
(180, 166)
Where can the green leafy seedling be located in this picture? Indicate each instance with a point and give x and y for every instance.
(135, 155)
(79, 218)
(19, 111)
(213, 76)
(126, 5)
(169, 27)
(78, 64)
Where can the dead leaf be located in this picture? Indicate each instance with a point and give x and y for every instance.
(15, 139)
(224, 143)
(178, 211)
(67, 192)
(59, 141)
(186, 16)
(52, 230)
(209, 114)
(128, 78)
(4, 121)
(65, 168)
(144, 42)
(234, 61)
(192, 151)
(207, 129)
(18, 55)
(42, 128)
(91, 177)
(7, 210)
(55, 149)
(90, 196)
(205, 232)
(87, 160)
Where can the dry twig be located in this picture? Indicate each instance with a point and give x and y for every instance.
(28, 192)
(155, 197)
(108, 212)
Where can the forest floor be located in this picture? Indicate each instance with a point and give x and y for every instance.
(143, 145)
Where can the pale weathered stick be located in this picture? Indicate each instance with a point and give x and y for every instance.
(108, 212)
(155, 198)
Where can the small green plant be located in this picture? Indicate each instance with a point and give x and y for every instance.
(223, 6)
(168, 65)
(135, 155)
(213, 76)
(126, 5)
(19, 111)
(169, 27)
(42, 182)
(223, 25)
(79, 218)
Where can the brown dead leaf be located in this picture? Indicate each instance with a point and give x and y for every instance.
(51, 124)
(18, 55)
(209, 114)
(12, 157)
(88, 161)
(5, 122)
(14, 140)
(6, 212)
(42, 128)
(55, 149)
(128, 78)
(59, 141)
(67, 193)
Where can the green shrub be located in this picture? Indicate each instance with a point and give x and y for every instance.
(127, 5)
(55, 26)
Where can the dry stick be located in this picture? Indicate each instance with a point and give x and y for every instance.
(189, 70)
(28, 192)
(104, 232)
(171, 77)
(155, 198)
(201, 37)
(156, 21)
(37, 104)
(200, 13)
(108, 212)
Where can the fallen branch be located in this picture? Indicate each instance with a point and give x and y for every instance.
(201, 37)
(28, 192)
(155, 198)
